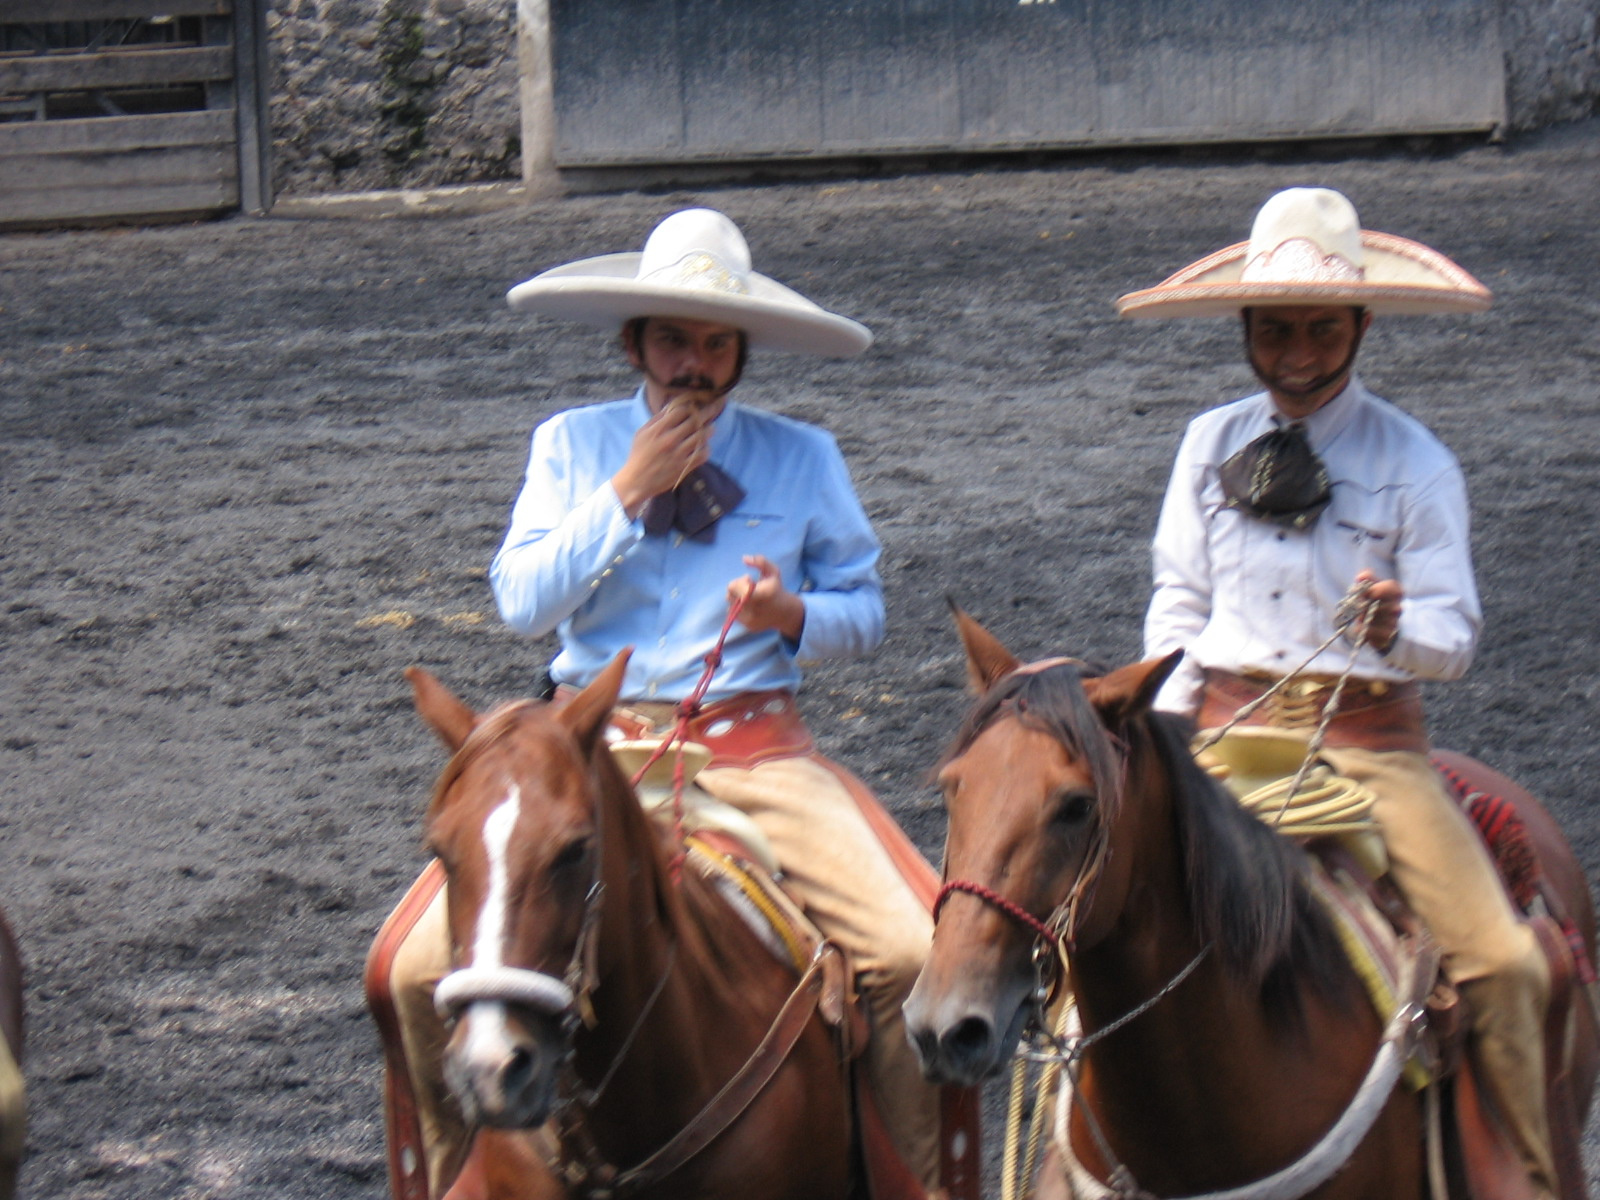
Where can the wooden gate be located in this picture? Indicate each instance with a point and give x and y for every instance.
(131, 108)
(665, 81)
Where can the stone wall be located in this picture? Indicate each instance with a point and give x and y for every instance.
(393, 93)
(1552, 60)
(419, 93)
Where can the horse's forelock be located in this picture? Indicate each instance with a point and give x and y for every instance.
(1051, 701)
(490, 730)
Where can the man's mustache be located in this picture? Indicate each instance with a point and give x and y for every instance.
(691, 383)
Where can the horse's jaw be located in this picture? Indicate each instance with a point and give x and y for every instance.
(964, 1025)
(502, 1075)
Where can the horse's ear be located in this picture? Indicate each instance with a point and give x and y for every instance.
(1131, 690)
(586, 713)
(447, 716)
(987, 660)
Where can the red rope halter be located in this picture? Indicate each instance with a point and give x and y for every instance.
(1011, 909)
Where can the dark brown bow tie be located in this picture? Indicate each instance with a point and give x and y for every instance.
(695, 506)
(1278, 478)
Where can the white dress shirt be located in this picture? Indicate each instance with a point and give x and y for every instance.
(1240, 593)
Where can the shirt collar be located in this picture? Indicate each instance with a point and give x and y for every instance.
(1329, 421)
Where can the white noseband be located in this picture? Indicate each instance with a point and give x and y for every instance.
(508, 985)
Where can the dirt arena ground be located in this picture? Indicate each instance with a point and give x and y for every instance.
(249, 470)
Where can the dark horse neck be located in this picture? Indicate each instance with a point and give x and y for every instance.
(1240, 1067)
(683, 990)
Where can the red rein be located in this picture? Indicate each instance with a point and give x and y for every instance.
(687, 708)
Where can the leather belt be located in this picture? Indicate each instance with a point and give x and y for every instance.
(741, 731)
(1374, 714)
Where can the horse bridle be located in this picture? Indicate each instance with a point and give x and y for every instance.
(1056, 935)
(566, 996)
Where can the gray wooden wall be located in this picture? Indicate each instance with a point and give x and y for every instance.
(642, 81)
(118, 108)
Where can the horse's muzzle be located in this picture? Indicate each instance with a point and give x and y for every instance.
(959, 1039)
(502, 1074)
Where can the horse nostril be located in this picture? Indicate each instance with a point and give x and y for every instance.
(517, 1072)
(970, 1040)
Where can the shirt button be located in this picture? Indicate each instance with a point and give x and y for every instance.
(661, 641)
(677, 539)
(651, 689)
(1283, 537)
(1281, 654)
(673, 593)
(1277, 595)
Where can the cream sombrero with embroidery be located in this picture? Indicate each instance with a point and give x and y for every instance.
(1307, 247)
(695, 265)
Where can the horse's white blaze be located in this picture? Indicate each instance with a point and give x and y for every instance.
(487, 1033)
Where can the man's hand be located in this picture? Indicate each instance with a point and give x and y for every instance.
(1379, 609)
(767, 603)
(667, 447)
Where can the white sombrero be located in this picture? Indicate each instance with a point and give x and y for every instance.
(1307, 247)
(695, 265)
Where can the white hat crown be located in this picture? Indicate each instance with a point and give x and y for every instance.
(1305, 235)
(697, 248)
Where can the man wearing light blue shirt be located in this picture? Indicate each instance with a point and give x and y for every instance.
(575, 560)
(640, 523)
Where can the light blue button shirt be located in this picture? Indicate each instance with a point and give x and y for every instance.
(572, 561)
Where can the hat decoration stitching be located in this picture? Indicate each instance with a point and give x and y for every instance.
(1300, 260)
(701, 271)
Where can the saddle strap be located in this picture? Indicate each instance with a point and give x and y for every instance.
(737, 1094)
(1561, 1112)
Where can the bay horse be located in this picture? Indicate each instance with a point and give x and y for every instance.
(599, 990)
(1224, 1033)
(13, 1108)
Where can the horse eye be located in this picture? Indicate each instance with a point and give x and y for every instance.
(1072, 808)
(573, 854)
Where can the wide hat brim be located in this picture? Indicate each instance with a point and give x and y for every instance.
(1399, 276)
(604, 291)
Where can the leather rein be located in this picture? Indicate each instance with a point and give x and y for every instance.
(570, 1151)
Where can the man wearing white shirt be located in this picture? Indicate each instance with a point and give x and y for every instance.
(1282, 504)
(639, 522)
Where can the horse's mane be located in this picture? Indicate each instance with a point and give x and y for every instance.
(1247, 887)
(1248, 896)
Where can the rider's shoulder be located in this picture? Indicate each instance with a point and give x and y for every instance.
(587, 419)
(788, 434)
(1391, 427)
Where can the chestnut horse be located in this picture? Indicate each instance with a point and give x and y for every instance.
(1225, 1038)
(594, 990)
(13, 1110)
